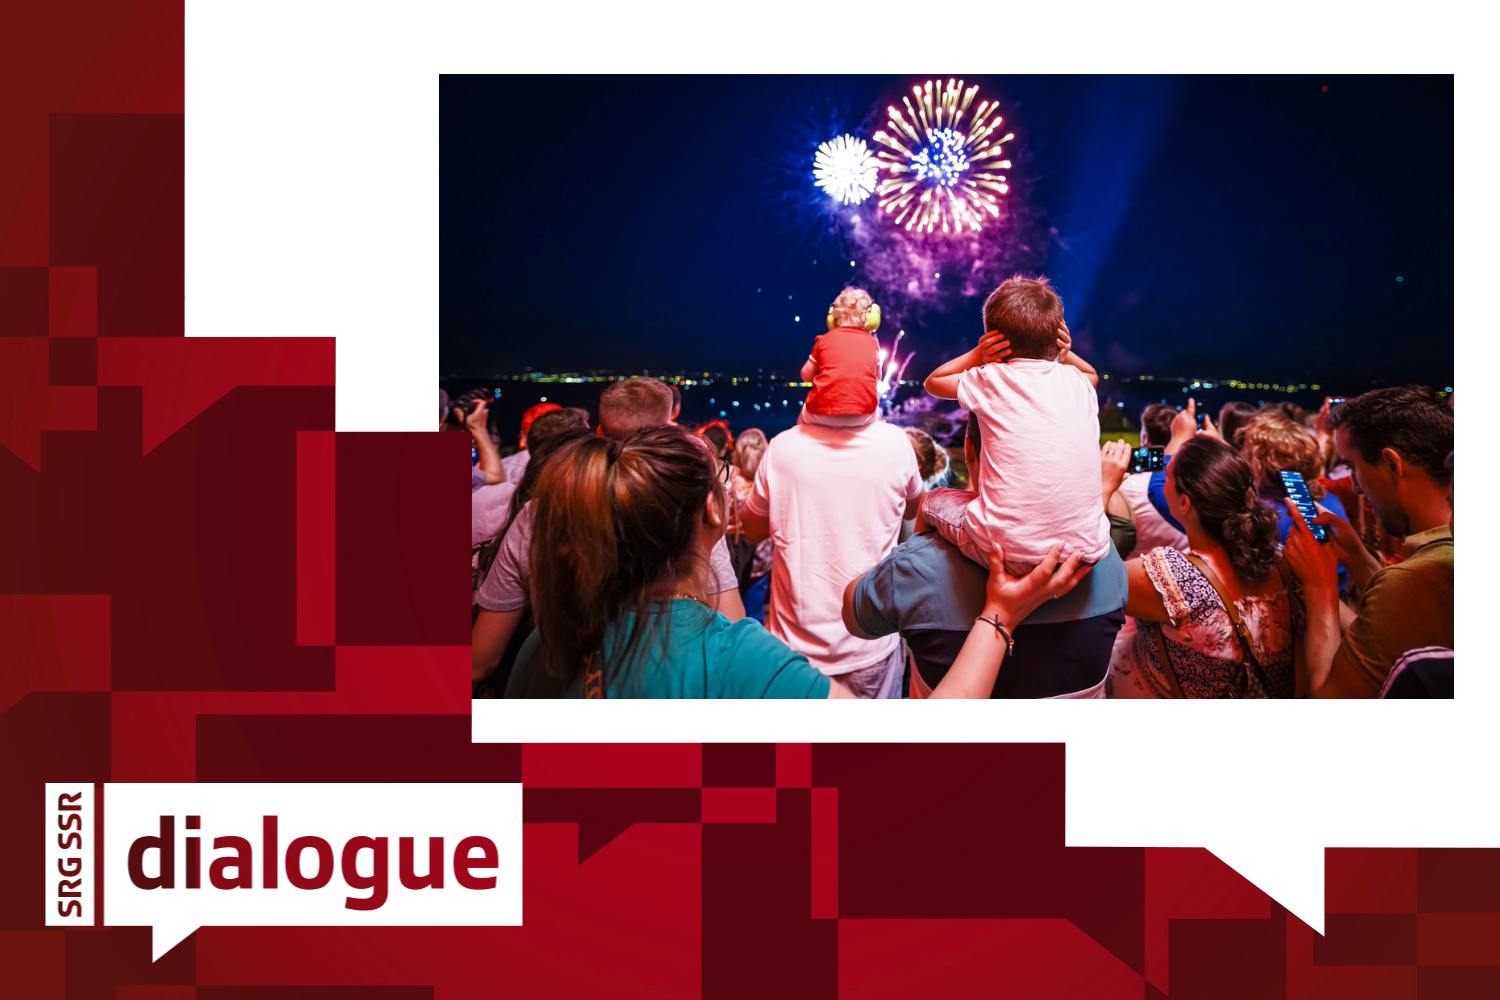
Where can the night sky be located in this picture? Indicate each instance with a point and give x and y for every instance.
(1232, 227)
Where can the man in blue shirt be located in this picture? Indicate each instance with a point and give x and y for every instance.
(929, 592)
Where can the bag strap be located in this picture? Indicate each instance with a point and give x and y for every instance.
(1166, 665)
(1240, 632)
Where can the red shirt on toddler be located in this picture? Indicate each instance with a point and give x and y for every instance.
(848, 367)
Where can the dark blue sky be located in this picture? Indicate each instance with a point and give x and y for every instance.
(1249, 227)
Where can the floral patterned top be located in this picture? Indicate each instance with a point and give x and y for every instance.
(1206, 656)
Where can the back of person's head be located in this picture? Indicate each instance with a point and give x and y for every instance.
(1411, 419)
(631, 404)
(550, 432)
(1222, 489)
(1271, 444)
(552, 424)
(850, 307)
(531, 416)
(932, 461)
(1233, 416)
(717, 436)
(1156, 425)
(614, 520)
(1028, 312)
(749, 449)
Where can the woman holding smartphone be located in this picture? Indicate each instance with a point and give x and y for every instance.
(1224, 619)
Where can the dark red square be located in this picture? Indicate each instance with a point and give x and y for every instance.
(1457, 982)
(1458, 880)
(72, 361)
(23, 302)
(1367, 939)
(739, 765)
(1228, 959)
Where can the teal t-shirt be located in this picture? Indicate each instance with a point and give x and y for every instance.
(691, 652)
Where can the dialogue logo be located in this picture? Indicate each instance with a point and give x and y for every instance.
(178, 856)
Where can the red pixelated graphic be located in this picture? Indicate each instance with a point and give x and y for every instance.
(200, 580)
(793, 765)
(612, 765)
(1042, 959)
(317, 552)
(739, 805)
(53, 642)
(73, 301)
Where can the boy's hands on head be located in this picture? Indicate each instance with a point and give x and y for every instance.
(1064, 341)
(993, 348)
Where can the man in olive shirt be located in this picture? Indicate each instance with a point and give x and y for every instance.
(1398, 441)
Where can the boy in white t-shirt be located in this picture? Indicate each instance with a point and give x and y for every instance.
(1038, 481)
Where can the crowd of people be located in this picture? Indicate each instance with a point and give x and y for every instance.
(643, 558)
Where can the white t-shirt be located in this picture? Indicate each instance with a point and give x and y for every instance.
(835, 497)
(508, 585)
(489, 511)
(1039, 461)
(515, 466)
(1151, 529)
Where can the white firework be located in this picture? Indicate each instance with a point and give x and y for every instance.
(845, 168)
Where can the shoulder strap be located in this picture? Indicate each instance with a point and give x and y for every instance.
(1166, 664)
(1240, 632)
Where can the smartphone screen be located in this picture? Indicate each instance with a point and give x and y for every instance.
(1147, 459)
(1296, 488)
(1200, 419)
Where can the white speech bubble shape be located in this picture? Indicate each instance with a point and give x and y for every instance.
(336, 814)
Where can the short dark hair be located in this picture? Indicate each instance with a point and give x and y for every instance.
(1410, 419)
(718, 437)
(1156, 424)
(552, 425)
(1028, 312)
(1233, 416)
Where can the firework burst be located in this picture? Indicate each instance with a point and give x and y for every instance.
(943, 171)
(845, 169)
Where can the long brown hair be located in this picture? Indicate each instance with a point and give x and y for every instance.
(613, 521)
(1219, 483)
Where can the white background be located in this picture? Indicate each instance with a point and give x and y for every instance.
(312, 210)
(335, 812)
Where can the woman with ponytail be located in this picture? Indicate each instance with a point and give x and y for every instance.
(620, 551)
(1224, 619)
